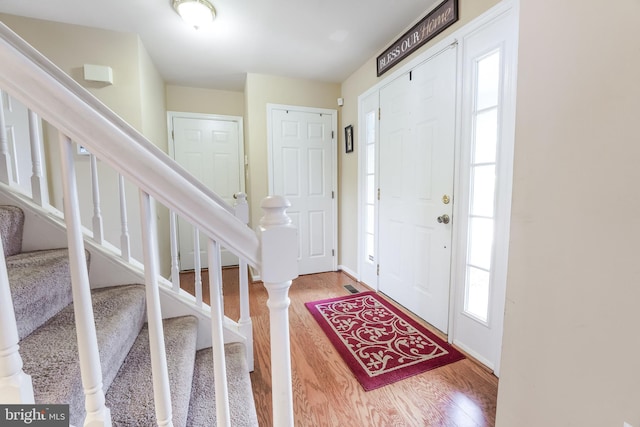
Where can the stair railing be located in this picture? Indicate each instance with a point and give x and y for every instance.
(80, 117)
(91, 372)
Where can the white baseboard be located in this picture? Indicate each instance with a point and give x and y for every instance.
(349, 272)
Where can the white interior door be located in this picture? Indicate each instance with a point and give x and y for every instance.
(417, 139)
(302, 169)
(211, 150)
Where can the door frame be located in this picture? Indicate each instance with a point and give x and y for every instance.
(334, 157)
(242, 159)
(458, 255)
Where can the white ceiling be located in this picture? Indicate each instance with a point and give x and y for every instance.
(325, 40)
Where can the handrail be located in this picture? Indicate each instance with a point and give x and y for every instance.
(37, 82)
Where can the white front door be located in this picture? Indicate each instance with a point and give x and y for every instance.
(210, 149)
(417, 139)
(302, 169)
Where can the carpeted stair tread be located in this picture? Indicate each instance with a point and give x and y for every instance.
(11, 228)
(203, 395)
(50, 353)
(130, 396)
(40, 284)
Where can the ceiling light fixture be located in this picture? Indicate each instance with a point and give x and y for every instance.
(196, 13)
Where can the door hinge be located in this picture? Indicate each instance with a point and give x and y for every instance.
(379, 113)
(332, 135)
(378, 194)
(410, 75)
(333, 194)
(173, 135)
(378, 270)
(333, 252)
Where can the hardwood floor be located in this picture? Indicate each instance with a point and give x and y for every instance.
(462, 394)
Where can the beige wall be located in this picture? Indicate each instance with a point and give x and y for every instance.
(571, 343)
(358, 83)
(261, 90)
(154, 126)
(205, 101)
(137, 95)
(72, 46)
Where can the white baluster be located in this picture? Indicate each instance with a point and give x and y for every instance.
(98, 234)
(197, 266)
(175, 262)
(5, 156)
(223, 415)
(39, 192)
(279, 252)
(125, 245)
(15, 385)
(97, 413)
(160, 373)
(244, 322)
(241, 209)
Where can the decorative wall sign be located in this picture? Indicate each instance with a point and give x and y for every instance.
(430, 26)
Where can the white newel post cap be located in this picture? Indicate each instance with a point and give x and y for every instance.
(279, 241)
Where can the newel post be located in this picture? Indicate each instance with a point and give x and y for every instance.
(279, 252)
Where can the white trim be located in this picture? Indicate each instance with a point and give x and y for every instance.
(334, 156)
(473, 354)
(348, 271)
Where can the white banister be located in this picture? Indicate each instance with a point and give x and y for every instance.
(39, 191)
(98, 234)
(197, 266)
(15, 385)
(279, 251)
(241, 209)
(223, 414)
(97, 413)
(160, 372)
(175, 261)
(125, 243)
(5, 156)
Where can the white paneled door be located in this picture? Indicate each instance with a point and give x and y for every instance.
(302, 168)
(417, 139)
(210, 149)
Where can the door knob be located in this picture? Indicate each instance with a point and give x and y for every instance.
(444, 219)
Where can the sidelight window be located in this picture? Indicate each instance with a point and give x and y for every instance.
(481, 220)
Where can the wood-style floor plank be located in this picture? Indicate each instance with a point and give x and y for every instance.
(461, 394)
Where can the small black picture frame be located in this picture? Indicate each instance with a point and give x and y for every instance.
(348, 139)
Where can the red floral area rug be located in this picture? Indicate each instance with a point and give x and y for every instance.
(379, 343)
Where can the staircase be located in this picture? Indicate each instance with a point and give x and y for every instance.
(40, 285)
(70, 337)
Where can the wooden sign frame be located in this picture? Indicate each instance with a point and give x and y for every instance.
(444, 15)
